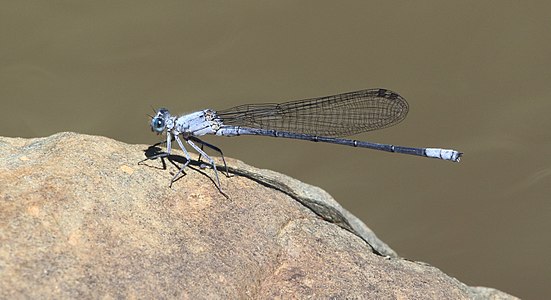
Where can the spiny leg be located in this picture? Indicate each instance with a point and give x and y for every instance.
(199, 159)
(210, 160)
(213, 148)
(188, 159)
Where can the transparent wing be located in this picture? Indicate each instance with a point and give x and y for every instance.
(332, 116)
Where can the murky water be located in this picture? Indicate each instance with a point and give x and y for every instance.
(477, 77)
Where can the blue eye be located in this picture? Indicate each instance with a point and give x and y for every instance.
(158, 124)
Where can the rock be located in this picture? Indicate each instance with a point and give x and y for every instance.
(80, 218)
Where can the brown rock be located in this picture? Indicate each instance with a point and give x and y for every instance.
(79, 218)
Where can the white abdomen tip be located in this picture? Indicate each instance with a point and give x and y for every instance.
(445, 154)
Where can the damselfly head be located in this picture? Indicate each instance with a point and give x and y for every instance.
(158, 122)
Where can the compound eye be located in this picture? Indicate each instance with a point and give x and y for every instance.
(158, 124)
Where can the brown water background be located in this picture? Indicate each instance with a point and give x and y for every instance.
(476, 75)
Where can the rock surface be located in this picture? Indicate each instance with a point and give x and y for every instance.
(80, 219)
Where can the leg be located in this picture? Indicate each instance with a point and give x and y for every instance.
(169, 142)
(188, 159)
(209, 159)
(199, 159)
(213, 148)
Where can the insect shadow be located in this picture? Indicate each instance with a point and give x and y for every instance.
(154, 152)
